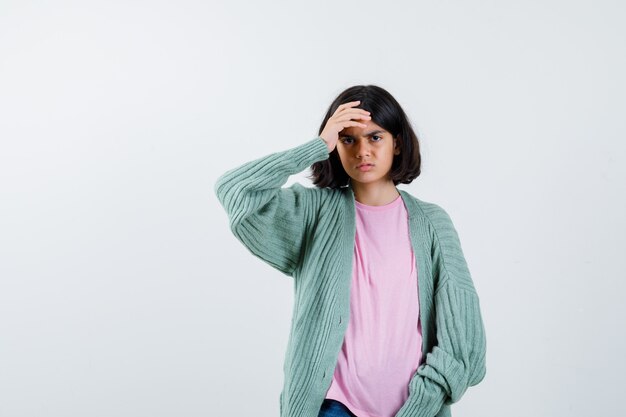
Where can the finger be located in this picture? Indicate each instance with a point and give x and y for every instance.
(353, 123)
(355, 111)
(346, 116)
(347, 105)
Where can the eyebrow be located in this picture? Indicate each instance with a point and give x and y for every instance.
(372, 133)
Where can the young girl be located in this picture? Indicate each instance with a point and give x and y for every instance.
(386, 319)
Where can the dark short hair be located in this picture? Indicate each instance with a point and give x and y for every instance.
(387, 113)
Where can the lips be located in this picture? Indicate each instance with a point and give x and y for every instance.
(363, 165)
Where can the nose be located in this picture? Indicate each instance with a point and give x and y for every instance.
(362, 149)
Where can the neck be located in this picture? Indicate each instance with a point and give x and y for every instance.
(374, 194)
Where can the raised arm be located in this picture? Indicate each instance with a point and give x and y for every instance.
(457, 361)
(268, 219)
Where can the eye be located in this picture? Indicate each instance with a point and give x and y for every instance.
(348, 139)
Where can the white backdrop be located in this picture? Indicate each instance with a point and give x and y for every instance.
(122, 290)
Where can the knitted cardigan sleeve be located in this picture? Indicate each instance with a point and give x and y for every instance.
(268, 219)
(457, 360)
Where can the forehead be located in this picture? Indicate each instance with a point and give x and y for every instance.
(370, 129)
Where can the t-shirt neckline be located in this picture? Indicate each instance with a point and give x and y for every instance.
(387, 206)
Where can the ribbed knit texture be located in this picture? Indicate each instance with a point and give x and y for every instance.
(308, 234)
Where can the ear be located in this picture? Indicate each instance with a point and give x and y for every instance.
(396, 148)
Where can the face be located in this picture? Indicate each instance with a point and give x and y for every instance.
(370, 145)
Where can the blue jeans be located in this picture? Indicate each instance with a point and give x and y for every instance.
(334, 408)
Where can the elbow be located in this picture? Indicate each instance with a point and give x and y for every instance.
(480, 370)
(224, 191)
(218, 188)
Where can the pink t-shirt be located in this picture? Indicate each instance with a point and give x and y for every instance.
(383, 343)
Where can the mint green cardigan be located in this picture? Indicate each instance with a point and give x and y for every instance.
(308, 234)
